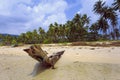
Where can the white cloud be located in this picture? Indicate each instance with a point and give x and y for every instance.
(58, 17)
(22, 15)
(25, 15)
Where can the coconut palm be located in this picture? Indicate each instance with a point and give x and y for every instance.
(22, 38)
(117, 33)
(85, 19)
(107, 14)
(116, 5)
(35, 36)
(29, 38)
(112, 35)
(53, 32)
(103, 25)
(42, 35)
(81, 25)
(98, 7)
(1, 37)
(93, 35)
(68, 30)
(94, 27)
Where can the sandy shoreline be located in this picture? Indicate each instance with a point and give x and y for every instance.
(77, 63)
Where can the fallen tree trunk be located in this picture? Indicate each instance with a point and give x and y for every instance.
(38, 54)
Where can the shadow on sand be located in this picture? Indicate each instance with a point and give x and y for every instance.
(39, 68)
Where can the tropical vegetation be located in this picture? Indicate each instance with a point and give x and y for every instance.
(107, 27)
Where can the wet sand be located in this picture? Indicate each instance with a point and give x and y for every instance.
(77, 63)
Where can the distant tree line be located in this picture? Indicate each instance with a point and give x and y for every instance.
(107, 27)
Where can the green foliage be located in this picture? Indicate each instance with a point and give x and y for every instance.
(14, 42)
(107, 22)
(75, 30)
(47, 41)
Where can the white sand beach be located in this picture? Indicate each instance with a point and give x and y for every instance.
(77, 63)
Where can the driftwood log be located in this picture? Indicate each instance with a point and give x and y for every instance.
(38, 54)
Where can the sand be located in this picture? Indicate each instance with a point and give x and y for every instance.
(77, 63)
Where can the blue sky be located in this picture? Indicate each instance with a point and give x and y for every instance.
(18, 16)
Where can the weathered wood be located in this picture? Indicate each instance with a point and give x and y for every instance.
(37, 53)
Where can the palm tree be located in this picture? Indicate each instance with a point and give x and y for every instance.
(76, 26)
(94, 31)
(60, 32)
(8, 39)
(22, 38)
(42, 35)
(107, 14)
(35, 36)
(73, 35)
(111, 15)
(81, 24)
(52, 33)
(112, 35)
(29, 37)
(68, 31)
(98, 7)
(103, 25)
(117, 33)
(1, 37)
(75, 29)
(85, 21)
(116, 5)
(56, 30)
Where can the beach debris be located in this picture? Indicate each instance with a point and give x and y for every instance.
(92, 48)
(36, 52)
(14, 45)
